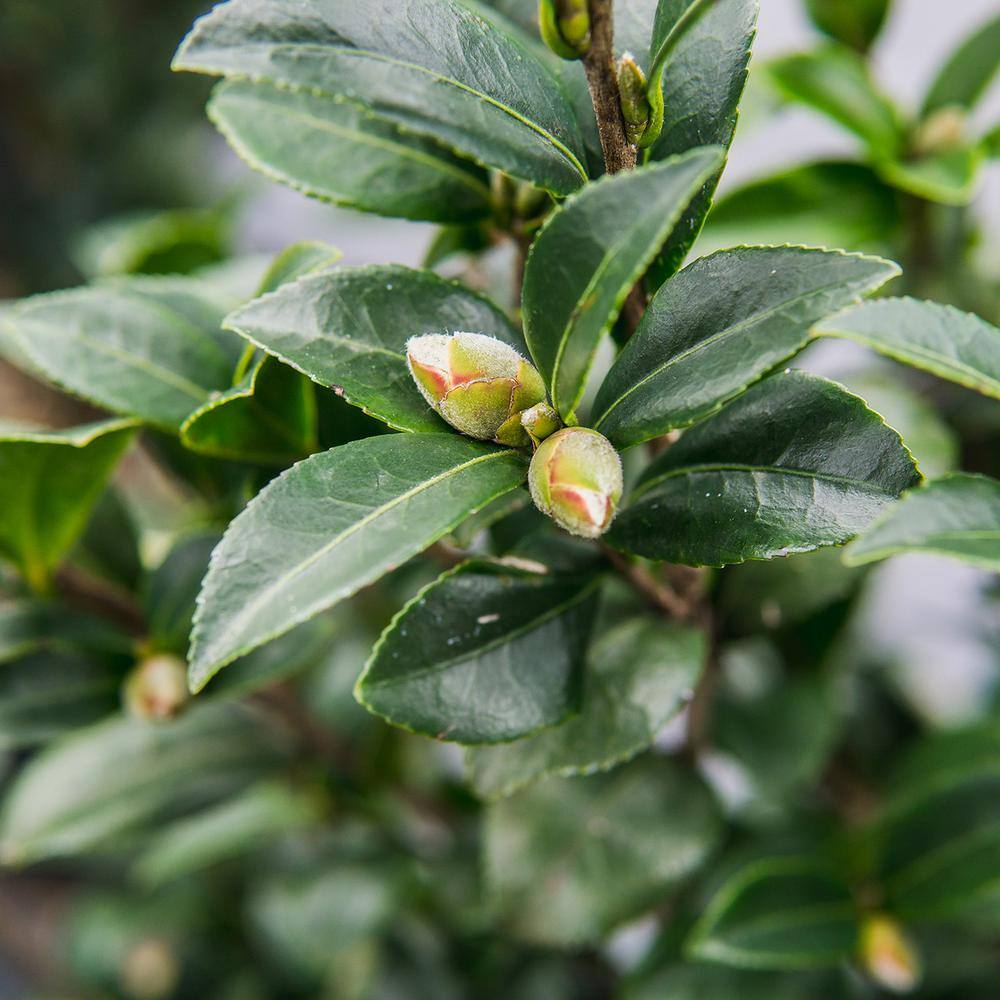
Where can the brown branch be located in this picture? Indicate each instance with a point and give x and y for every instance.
(91, 594)
(602, 81)
(644, 583)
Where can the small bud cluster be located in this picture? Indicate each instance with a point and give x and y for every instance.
(485, 389)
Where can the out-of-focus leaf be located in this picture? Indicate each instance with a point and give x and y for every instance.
(958, 516)
(109, 545)
(712, 982)
(347, 330)
(950, 178)
(638, 676)
(794, 464)
(49, 481)
(230, 829)
(588, 256)
(719, 325)
(569, 858)
(968, 71)
(433, 67)
(337, 152)
(853, 22)
(30, 627)
(828, 204)
(940, 339)
(144, 347)
(109, 779)
(487, 653)
(332, 524)
(778, 913)
(836, 82)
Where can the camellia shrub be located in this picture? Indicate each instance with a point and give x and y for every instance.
(564, 510)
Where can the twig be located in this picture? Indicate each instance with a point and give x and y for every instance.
(90, 594)
(658, 594)
(602, 81)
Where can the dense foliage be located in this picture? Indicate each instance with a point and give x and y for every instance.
(710, 744)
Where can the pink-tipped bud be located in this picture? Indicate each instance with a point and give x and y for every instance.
(157, 688)
(576, 478)
(479, 384)
(888, 955)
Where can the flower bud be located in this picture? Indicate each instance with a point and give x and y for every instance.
(888, 955)
(635, 104)
(157, 688)
(479, 384)
(942, 132)
(540, 421)
(565, 27)
(576, 478)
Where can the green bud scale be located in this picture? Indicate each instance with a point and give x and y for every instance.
(636, 109)
(575, 477)
(565, 27)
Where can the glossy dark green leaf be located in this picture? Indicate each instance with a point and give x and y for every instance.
(347, 330)
(719, 325)
(487, 653)
(32, 626)
(332, 524)
(433, 67)
(951, 178)
(109, 545)
(794, 464)
(703, 82)
(234, 827)
(968, 71)
(111, 778)
(335, 151)
(853, 22)
(49, 481)
(957, 516)
(588, 256)
(638, 676)
(569, 858)
(144, 347)
(829, 204)
(940, 339)
(836, 82)
(778, 913)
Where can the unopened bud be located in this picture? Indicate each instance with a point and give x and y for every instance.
(942, 132)
(565, 27)
(635, 104)
(150, 970)
(540, 421)
(479, 384)
(157, 688)
(888, 955)
(576, 478)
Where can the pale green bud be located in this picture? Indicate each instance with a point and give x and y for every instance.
(156, 688)
(942, 132)
(540, 421)
(575, 477)
(565, 27)
(888, 955)
(479, 384)
(635, 103)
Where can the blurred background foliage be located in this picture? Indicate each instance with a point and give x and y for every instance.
(325, 854)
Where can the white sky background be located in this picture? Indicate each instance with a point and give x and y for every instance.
(915, 41)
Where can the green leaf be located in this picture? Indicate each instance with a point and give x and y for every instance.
(835, 81)
(143, 347)
(794, 464)
(713, 982)
(486, 653)
(348, 330)
(296, 261)
(253, 818)
(338, 152)
(49, 481)
(829, 204)
(940, 339)
(950, 178)
(854, 22)
(638, 676)
(569, 858)
(35, 626)
(588, 256)
(957, 516)
(109, 545)
(433, 67)
(968, 71)
(778, 913)
(332, 524)
(112, 778)
(703, 82)
(719, 325)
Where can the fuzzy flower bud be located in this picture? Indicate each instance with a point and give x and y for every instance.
(635, 104)
(888, 955)
(540, 421)
(479, 384)
(565, 27)
(156, 688)
(576, 478)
